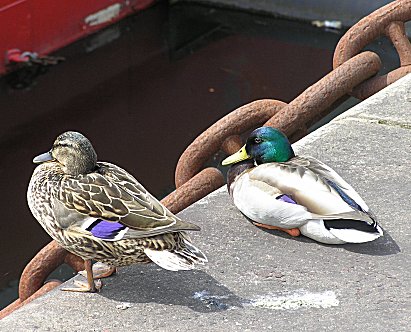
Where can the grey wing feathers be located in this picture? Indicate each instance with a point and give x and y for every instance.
(345, 190)
(328, 174)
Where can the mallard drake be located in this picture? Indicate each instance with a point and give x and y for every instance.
(98, 211)
(278, 190)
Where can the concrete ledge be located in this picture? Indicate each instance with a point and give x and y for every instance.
(258, 280)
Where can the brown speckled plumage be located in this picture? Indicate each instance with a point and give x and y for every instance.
(69, 191)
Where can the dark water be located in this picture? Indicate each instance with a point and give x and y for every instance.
(142, 90)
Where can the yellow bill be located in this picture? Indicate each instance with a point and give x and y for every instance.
(236, 157)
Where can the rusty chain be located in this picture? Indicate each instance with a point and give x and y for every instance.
(32, 281)
(46, 261)
(389, 21)
(293, 119)
(353, 74)
(47, 287)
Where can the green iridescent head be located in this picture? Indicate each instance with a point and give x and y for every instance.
(264, 145)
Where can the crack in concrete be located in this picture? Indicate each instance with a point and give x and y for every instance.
(394, 123)
(384, 122)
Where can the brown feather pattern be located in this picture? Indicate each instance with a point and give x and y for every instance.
(111, 194)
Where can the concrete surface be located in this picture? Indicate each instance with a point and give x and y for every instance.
(258, 280)
(348, 12)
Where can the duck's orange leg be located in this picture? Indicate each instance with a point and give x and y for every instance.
(100, 271)
(90, 286)
(292, 231)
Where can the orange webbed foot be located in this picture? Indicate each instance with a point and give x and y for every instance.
(293, 231)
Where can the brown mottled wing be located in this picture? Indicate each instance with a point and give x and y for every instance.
(114, 195)
(132, 187)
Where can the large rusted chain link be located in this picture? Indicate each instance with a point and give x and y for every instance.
(293, 119)
(39, 268)
(317, 99)
(388, 20)
(209, 142)
(199, 186)
(48, 286)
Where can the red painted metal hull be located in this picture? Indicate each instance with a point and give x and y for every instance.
(43, 26)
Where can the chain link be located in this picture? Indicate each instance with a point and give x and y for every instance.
(389, 21)
(351, 75)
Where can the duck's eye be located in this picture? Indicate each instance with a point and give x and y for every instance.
(257, 140)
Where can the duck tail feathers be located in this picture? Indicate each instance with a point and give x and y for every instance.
(193, 253)
(356, 236)
(169, 260)
(183, 258)
(354, 231)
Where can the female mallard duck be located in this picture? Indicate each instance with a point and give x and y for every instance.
(98, 211)
(278, 190)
